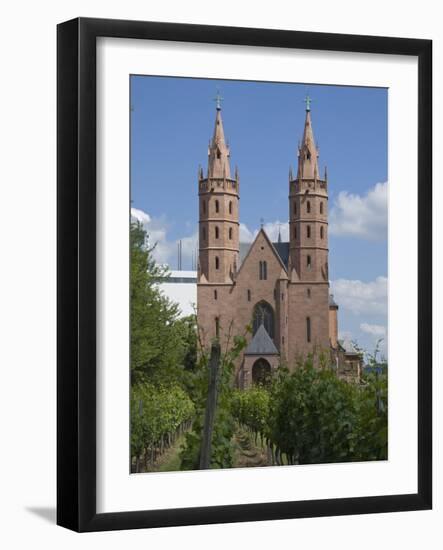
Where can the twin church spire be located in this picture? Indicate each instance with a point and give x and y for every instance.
(219, 213)
(307, 151)
(218, 151)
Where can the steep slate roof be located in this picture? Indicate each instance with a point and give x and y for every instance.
(261, 344)
(282, 250)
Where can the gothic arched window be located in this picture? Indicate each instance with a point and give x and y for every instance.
(263, 314)
(308, 262)
(217, 262)
(308, 231)
(215, 295)
(308, 207)
(230, 233)
(262, 270)
(216, 232)
(321, 232)
(230, 207)
(217, 206)
(321, 208)
(308, 329)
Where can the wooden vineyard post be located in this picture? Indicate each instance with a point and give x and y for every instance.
(211, 406)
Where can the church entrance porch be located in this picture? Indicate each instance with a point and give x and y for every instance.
(261, 372)
(261, 358)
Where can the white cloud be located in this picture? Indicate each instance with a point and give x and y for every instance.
(246, 236)
(361, 216)
(378, 331)
(165, 251)
(140, 216)
(360, 297)
(272, 228)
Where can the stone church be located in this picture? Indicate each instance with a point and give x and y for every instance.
(279, 289)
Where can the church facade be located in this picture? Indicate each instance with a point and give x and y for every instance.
(279, 289)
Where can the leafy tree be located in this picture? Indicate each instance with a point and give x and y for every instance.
(159, 341)
(310, 416)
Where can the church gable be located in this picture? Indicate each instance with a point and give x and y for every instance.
(262, 265)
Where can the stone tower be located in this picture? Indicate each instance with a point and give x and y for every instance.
(308, 212)
(218, 212)
(308, 249)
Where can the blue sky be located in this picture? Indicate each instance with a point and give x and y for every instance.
(171, 123)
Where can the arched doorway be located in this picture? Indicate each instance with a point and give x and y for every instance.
(263, 314)
(261, 372)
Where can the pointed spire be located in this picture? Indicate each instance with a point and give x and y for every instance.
(307, 151)
(218, 163)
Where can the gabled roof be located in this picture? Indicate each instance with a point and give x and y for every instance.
(281, 250)
(261, 344)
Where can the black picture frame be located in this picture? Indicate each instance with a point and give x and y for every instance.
(76, 265)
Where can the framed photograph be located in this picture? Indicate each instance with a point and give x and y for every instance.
(223, 360)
